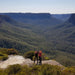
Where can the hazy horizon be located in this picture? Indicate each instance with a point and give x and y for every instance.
(36, 12)
(37, 6)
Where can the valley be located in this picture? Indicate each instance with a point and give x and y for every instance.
(29, 31)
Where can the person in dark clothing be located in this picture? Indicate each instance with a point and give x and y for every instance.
(40, 57)
(36, 56)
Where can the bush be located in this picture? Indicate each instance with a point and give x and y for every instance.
(36, 70)
(44, 69)
(12, 51)
(25, 70)
(69, 71)
(8, 51)
(3, 56)
(13, 69)
(4, 50)
(46, 58)
(47, 69)
(29, 54)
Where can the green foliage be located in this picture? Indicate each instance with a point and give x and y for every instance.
(12, 51)
(69, 71)
(13, 69)
(50, 70)
(3, 72)
(25, 70)
(8, 51)
(4, 52)
(66, 59)
(3, 56)
(44, 69)
(46, 58)
(36, 70)
(29, 54)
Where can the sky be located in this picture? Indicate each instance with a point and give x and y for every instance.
(38, 6)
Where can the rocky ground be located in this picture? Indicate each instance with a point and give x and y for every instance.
(17, 59)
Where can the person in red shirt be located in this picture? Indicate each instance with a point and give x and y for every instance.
(40, 57)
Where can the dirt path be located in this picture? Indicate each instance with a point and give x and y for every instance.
(17, 59)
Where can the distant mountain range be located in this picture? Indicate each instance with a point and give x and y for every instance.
(40, 24)
(62, 17)
(43, 19)
(29, 31)
(63, 35)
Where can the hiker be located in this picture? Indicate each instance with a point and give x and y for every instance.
(36, 56)
(40, 57)
(34, 59)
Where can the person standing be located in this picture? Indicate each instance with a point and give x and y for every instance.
(40, 57)
(36, 56)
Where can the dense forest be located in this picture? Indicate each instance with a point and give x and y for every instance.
(29, 31)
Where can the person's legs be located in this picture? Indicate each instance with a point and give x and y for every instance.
(37, 60)
(34, 61)
(40, 60)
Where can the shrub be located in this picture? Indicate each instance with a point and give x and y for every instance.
(8, 51)
(25, 70)
(46, 58)
(4, 50)
(3, 56)
(44, 69)
(29, 54)
(69, 71)
(12, 51)
(50, 70)
(13, 69)
(36, 70)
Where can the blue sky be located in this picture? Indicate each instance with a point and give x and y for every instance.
(38, 6)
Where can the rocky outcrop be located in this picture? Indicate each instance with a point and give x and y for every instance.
(17, 59)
